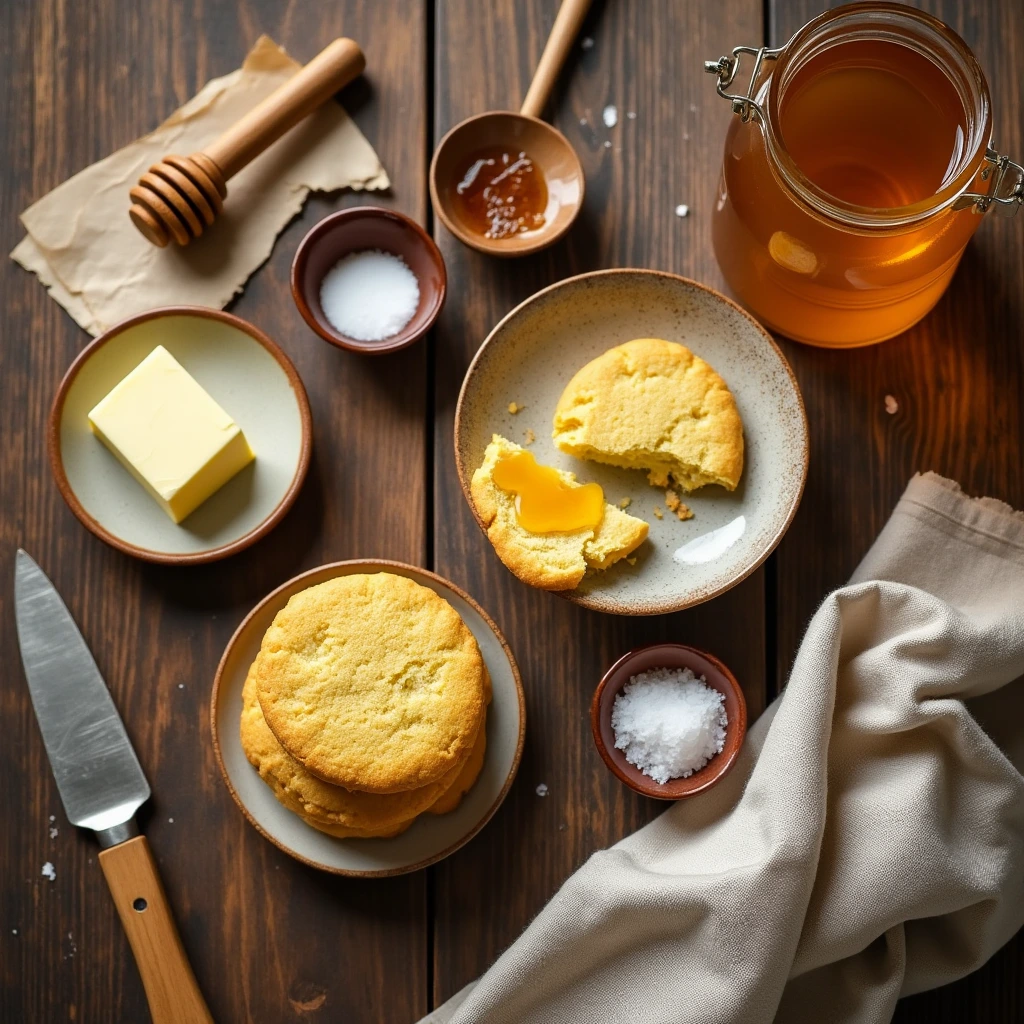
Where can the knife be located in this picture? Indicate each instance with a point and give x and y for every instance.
(101, 785)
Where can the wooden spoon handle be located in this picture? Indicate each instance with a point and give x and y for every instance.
(331, 69)
(563, 32)
(171, 988)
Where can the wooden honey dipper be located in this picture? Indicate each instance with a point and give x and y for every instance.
(181, 196)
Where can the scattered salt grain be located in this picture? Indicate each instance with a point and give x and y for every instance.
(14, 931)
(607, 144)
(682, 210)
(53, 817)
(610, 114)
(583, 122)
(170, 821)
(370, 295)
(669, 723)
(181, 686)
(891, 405)
(631, 114)
(542, 789)
(53, 832)
(49, 871)
(586, 43)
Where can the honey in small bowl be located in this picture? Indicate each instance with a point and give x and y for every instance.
(500, 193)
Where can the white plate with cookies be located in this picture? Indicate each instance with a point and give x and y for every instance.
(368, 718)
(671, 398)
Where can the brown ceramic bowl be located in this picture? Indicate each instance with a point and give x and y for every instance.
(546, 146)
(368, 227)
(715, 674)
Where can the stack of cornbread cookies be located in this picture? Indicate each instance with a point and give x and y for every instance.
(366, 705)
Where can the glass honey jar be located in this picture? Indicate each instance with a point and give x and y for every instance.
(854, 173)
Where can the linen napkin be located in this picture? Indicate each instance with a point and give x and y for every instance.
(94, 262)
(868, 844)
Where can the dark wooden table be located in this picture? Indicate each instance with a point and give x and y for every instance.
(270, 939)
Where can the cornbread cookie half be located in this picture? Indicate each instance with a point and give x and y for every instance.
(331, 809)
(550, 561)
(654, 405)
(372, 682)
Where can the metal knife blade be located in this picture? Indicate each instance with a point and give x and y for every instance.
(100, 779)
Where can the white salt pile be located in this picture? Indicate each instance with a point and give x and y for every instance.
(370, 295)
(669, 723)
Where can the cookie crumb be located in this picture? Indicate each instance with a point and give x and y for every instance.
(684, 512)
(658, 513)
(515, 407)
(542, 789)
(529, 436)
(625, 503)
(891, 405)
(632, 561)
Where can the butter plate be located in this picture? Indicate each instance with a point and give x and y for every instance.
(430, 838)
(244, 372)
(530, 356)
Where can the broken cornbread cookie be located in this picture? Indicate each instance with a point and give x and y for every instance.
(519, 509)
(652, 404)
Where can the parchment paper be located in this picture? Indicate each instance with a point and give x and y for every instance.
(83, 247)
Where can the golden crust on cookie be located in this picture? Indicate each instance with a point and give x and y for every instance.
(550, 561)
(333, 809)
(372, 682)
(654, 405)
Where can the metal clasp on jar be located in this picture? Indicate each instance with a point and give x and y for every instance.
(743, 103)
(1006, 190)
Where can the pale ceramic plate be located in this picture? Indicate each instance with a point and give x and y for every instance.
(431, 837)
(247, 374)
(534, 352)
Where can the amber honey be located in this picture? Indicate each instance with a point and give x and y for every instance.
(544, 502)
(500, 192)
(835, 221)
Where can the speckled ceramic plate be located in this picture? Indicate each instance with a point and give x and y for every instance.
(252, 380)
(431, 837)
(534, 352)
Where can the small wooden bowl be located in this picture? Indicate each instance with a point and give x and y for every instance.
(368, 227)
(674, 656)
(551, 153)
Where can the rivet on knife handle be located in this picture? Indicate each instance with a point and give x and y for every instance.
(171, 987)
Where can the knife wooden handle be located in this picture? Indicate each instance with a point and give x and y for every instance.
(171, 988)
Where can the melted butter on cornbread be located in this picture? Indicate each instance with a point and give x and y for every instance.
(550, 561)
(545, 502)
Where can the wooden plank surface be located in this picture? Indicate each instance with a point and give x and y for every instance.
(646, 58)
(956, 378)
(270, 940)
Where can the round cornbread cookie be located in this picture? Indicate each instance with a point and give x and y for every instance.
(330, 808)
(654, 405)
(372, 682)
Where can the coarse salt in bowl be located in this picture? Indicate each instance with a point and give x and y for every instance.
(678, 715)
